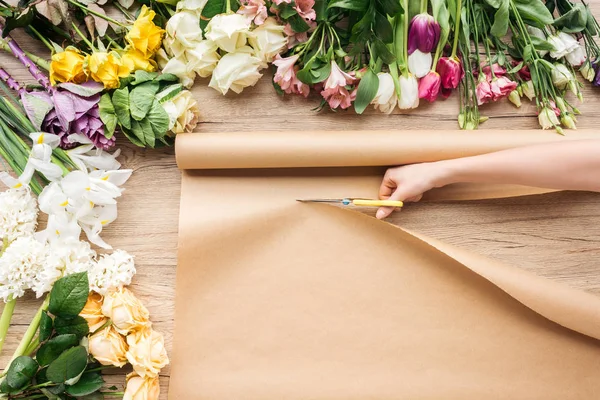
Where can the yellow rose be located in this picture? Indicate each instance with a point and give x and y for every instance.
(127, 313)
(133, 60)
(139, 388)
(144, 36)
(147, 353)
(106, 68)
(108, 347)
(92, 312)
(67, 66)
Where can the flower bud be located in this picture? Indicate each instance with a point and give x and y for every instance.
(568, 121)
(423, 33)
(429, 86)
(514, 98)
(547, 118)
(561, 76)
(587, 71)
(451, 72)
(528, 90)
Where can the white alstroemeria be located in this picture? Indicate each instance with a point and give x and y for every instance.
(386, 99)
(419, 63)
(18, 214)
(228, 31)
(88, 157)
(112, 271)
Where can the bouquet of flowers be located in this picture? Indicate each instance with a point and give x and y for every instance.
(88, 321)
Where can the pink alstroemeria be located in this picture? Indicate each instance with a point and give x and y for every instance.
(305, 9)
(451, 72)
(335, 92)
(294, 37)
(501, 87)
(423, 33)
(429, 86)
(254, 10)
(483, 91)
(286, 78)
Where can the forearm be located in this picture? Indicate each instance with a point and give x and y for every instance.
(573, 165)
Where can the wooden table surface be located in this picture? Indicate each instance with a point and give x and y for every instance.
(555, 235)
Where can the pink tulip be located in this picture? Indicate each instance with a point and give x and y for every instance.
(429, 86)
(451, 72)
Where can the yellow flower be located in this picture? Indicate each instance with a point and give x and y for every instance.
(67, 66)
(106, 68)
(134, 60)
(139, 388)
(147, 353)
(92, 312)
(126, 311)
(108, 347)
(144, 36)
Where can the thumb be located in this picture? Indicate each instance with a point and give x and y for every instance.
(384, 212)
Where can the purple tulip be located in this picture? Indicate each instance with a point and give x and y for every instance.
(423, 33)
(596, 67)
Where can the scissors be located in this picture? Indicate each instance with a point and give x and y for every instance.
(357, 202)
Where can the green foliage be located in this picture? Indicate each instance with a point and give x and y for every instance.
(77, 326)
(20, 372)
(70, 364)
(69, 295)
(367, 90)
(46, 325)
(50, 350)
(89, 383)
(573, 21)
(108, 115)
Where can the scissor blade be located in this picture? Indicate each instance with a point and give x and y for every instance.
(320, 200)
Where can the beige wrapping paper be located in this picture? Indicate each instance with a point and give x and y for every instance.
(284, 300)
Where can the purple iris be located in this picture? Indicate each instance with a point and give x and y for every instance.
(423, 33)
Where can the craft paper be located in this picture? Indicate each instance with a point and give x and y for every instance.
(279, 300)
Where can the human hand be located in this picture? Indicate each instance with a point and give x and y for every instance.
(408, 183)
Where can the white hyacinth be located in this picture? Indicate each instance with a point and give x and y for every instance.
(23, 266)
(111, 271)
(71, 256)
(18, 214)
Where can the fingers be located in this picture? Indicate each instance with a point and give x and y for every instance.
(384, 212)
(388, 186)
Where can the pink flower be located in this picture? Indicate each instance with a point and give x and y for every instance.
(294, 38)
(305, 9)
(501, 87)
(498, 70)
(451, 72)
(338, 97)
(555, 108)
(483, 91)
(337, 77)
(254, 10)
(286, 78)
(423, 33)
(278, 2)
(429, 86)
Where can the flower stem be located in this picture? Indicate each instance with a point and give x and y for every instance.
(228, 6)
(33, 345)
(423, 6)
(39, 61)
(97, 14)
(456, 27)
(82, 36)
(26, 61)
(10, 81)
(41, 37)
(7, 314)
(30, 332)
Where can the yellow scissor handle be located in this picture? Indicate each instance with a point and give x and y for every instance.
(377, 203)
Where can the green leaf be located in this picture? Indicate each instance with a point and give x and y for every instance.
(381, 51)
(440, 13)
(158, 119)
(69, 295)
(149, 137)
(93, 396)
(367, 90)
(77, 326)
(211, 8)
(541, 44)
(136, 134)
(591, 22)
(298, 24)
(120, 99)
(287, 10)
(574, 20)
(50, 351)
(4, 388)
(534, 12)
(320, 8)
(355, 5)
(107, 115)
(169, 92)
(87, 384)
(390, 7)
(84, 91)
(383, 28)
(51, 396)
(36, 108)
(21, 372)
(68, 365)
(166, 78)
(142, 76)
(141, 98)
(500, 25)
(45, 327)
(19, 19)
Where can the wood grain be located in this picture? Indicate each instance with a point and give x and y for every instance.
(556, 235)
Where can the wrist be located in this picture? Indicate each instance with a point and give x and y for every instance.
(446, 173)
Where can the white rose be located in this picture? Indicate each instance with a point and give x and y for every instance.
(385, 100)
(179, 68)
(268, 40)
(195, 6)
(183, 30)
(183, 112)
(203, 58)
(236, 71)
(228, 31)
